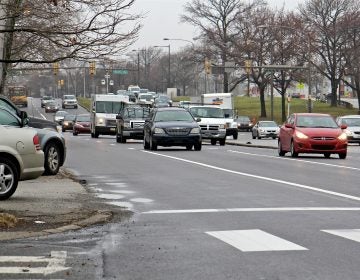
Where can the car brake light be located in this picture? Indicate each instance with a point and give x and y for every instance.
(36, 142)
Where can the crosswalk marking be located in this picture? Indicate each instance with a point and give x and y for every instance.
(255, 241)
(352, 234)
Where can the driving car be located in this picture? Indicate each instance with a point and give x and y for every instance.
(45, 99)
(353, 127)
(244, 123)
(59, 116)
(172, 126)
(264, 129)
(68, 122)
(52, 142)
(69, 101)
(21, 158)
(82, 124)
(162, 101)
(51, 107)
(312, 133)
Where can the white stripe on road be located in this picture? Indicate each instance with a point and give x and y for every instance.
(255, 241)
(274, 209)
(298, 160)
(352, 234)
(260, 177)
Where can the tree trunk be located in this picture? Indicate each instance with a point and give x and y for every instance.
(226, 82)
(334, 88)
(283, 106)
(262, 102)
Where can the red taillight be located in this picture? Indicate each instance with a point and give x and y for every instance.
(36, 142)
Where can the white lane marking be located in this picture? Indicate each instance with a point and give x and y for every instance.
(255, 241)
(141, 200)
(118, 185)
(277, 209)
(352, 234)
(298, 160)
(122, 204)
(110, 196)
(131, 148)
(260, 177)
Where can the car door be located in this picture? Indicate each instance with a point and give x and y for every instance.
(286, 133)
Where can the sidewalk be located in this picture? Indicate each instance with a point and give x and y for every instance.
(50, 204)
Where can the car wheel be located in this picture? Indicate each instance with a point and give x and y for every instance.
(327, 155)
(222, 142)
(197, 146)
(118, 138)
(253, 136)
(146, 144)
(342, 156)
(63, 129)
(75, 133)
(153, 145)
(235, 135)
(281, 152)
(292, 150)
(189, 147)
(52, 159)
(92, 135)
(213, 142)
(274, 137)
(9, 178)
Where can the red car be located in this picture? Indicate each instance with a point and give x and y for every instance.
(312, 133)
(81, 124)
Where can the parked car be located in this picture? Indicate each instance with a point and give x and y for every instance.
(51, 107)
(68, 122)
(52, 142)
(82, 124)
(312, 133)
(21, 158)
(244, 123)
(59, 116)
(171, 127)
(353, 127)
(45, 99)
(69, 101)
(264, 129)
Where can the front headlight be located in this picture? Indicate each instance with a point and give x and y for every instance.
(342, 137)
(66, 123)
(222, 126)
(195, 130)
(127, 125)
(158, 130)
(100, 121)
(348, 132)
(301, 135)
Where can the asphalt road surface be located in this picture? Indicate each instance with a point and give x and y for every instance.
(223, 213)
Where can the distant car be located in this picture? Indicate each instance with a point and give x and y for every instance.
(312, 133)
(184, 103)
(82, 124)
(172, 127)
(265, 129)
(51, 107)
(45, 99)
(59, 116)
(69, 101)
(353, 127)
(52, 142)
(68, 122)
(21, 158)
(146, 98)
(244, 123)
(162, 100)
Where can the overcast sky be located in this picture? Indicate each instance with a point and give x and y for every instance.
(162, 20)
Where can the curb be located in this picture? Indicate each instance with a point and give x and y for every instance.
(98, 218)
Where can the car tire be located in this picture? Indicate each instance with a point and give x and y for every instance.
(63, 129)
(253, 136)
(213, 142)
(197, 146)
(52, 159)
(281, 152)
(235, 135)
(189, 147)
(146, 144)
(9, 178)
(153, 145)
(342, 155)
(327, 155)
(292, 150)
(222, 142)
(75, 133)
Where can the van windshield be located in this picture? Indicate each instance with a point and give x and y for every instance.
(207, 112)
(108, 107)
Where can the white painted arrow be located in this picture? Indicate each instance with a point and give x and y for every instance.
(56, 263)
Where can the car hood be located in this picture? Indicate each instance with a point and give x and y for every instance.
(41, 123)
(353, 128)
(320, 132)
(176, 124)
(213, 121)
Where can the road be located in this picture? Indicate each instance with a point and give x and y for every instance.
(223, 213)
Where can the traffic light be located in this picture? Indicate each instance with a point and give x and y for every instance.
(56, 68)
(207, 66)
(92, 68)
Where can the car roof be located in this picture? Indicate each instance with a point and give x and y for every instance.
(350, 116)
(171, 109)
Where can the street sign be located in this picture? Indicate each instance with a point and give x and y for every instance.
(121, 71)
(55, 263)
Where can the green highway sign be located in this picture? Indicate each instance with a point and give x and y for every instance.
(121, 72)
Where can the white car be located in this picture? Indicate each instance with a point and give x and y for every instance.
(21, 158)
(353, 127)
(264, 129)
(69, 101)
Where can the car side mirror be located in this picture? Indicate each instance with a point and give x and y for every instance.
(289, 125)
(227, 116)
(198, 120)
(343, 126)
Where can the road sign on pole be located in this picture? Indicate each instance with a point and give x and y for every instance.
(121, 71)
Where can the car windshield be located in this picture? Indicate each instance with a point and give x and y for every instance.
(61, 114)
(351, 121)
(69, 97)
(170, 116)
(268, 124)
(162, 98)
(316, 122)
(83, 118)
(243, 119)
(69, 117)
(47, 98)
(108, 107)
(139, 112)
(207, 112)
(147, 97)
